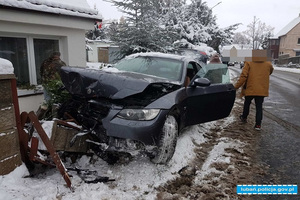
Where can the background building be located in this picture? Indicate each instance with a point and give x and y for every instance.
(289, 42)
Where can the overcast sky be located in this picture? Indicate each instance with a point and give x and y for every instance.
(276, 13)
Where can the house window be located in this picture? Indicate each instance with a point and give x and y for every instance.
(15, 50)
(297, 53)
(298, 40)
(273, 42)
(26, 55)
(42, 50)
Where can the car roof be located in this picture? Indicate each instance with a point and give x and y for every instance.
(160, 55)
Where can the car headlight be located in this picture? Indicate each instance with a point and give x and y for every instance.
(138, 114)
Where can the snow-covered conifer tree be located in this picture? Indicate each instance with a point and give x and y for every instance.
(142, 30)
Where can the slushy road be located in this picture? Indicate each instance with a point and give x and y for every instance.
(279, 142)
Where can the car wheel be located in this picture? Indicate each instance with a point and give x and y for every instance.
(167, 143)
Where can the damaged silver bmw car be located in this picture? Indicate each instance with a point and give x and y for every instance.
(146, 99)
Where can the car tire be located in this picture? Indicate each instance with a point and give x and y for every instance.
(167, 142)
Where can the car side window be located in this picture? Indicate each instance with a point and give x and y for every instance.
(216, 73)
(192, 69)
(198, 66)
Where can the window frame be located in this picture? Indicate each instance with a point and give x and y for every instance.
(30, 51)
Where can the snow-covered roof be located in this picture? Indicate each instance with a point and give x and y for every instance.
(288, 27)
(78, 8)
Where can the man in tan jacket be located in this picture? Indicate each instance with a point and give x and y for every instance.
(255, 81)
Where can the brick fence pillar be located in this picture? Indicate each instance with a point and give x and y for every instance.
(10, 155)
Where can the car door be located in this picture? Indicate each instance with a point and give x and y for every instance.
(210, 102)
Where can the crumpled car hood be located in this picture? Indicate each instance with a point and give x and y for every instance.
(114, 85)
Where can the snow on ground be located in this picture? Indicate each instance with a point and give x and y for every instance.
(47, 126)
(217, 155)
(286, 69)
(136, 179)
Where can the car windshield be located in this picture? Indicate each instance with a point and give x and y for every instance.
(216, 73)
(160, 67)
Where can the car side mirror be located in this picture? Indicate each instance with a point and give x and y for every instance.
(202, 82)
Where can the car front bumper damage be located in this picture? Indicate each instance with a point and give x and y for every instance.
(146, 132)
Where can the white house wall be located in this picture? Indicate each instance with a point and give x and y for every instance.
(93, 55)
(74, 48)
(69, 30)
